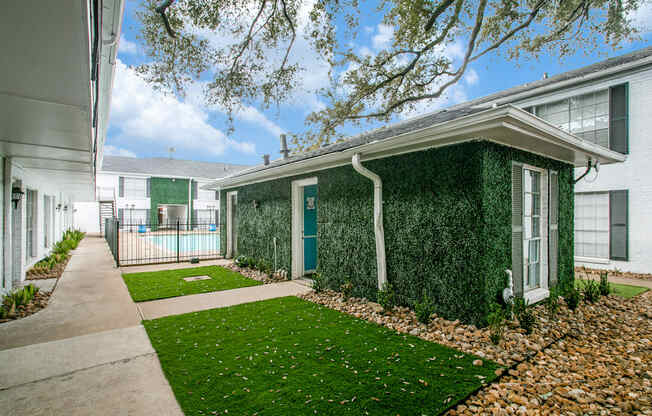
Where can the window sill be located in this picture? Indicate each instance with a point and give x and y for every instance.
(536, 295)
(592, 260)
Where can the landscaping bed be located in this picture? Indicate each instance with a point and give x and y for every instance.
(23, 302)
(52, 266)
(582, 272)
(602, 367)
(291, 357)
(170, 283)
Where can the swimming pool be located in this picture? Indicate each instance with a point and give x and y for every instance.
(188, 243)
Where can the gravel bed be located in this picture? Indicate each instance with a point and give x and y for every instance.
(256, 274)
(39, 302)
(586, 272)
(594, 360)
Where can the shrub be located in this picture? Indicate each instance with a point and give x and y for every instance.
(241, 261)
(424, 309)
(524, 314)
(318, 284)
(347, 290)
(605, 287)
(387, 297)
(591, 291)
(552, 303)
(572, 296)
(496, 319)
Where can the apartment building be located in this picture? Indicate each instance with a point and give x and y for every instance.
(157, 191)
(56, 79)
(608, 103)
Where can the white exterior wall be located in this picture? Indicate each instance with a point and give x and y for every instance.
(15, 262)
(635, 174)
(86, 216)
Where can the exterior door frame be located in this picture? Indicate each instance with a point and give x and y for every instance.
(231, 241)
(297, 225)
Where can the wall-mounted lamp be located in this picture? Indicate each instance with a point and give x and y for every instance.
(65, 208)
(58, 207)
(16, 195)
(256, 204)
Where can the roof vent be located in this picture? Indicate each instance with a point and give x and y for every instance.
(284, 147)
(545, 75)
(265, 160)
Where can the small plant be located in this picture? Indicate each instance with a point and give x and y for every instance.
(605, 287)
(387, 297)
(524, 314)
(496, 319)
(424, 309)
(347, 290)
(591, 291)
(318, 283)
(572, 296)
(552, 302)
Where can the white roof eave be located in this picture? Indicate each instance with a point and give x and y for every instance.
(506, 125)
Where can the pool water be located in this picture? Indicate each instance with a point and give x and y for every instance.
(188, 243)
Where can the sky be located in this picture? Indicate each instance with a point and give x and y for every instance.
(146, 123)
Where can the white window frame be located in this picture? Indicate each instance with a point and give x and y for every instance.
(540, 293)
(134, 197)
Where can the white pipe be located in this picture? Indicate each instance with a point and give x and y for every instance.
(378, 218)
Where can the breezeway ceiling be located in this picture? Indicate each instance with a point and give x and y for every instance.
(46, 92)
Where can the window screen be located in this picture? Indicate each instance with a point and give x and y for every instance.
(592, 225)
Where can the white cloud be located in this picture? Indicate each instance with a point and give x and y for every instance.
(142, 114)
(118, 151)
(384, 36)
(127, 47)
(642, 18)
(471, 77)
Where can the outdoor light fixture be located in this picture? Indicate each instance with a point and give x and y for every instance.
(65, 208)
(58, 207)
(16, 195)
(255, 204)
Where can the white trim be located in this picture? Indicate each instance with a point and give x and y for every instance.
(544, 218)
(595, 260)
(500, 125)
(230, 246)
(297, 225)
(536, 295)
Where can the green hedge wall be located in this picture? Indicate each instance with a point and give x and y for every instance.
(447, 220)
(167, 191)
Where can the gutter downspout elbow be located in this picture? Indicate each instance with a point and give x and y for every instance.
(378, 218)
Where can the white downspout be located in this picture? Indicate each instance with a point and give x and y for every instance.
(378, 218)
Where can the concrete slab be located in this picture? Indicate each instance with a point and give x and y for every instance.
(174, 266)
(134, 386)
(90, 297)
(39, 361)
(192, 303)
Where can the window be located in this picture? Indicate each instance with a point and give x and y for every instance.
(532, 229)
(601, 225)
(206, 216)
(30, 224)
(135, 188)
(600, 117)
(592, 225)
(206, 195)
(47, 220)
(586, 116)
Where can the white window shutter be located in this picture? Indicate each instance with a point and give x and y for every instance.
(517, 228)
(553, 233)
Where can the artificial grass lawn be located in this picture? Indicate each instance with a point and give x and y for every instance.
(626, 291)
(288, 356)
(169, 283)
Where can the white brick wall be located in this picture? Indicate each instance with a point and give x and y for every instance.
(635, 174)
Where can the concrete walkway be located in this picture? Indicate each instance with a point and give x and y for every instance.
(86, 353)
(203, 301)
(625, 281)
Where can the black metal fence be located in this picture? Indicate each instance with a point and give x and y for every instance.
(149, 243)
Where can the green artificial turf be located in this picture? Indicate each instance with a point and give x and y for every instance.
(170, 283)
(288, 356)
(626, 291)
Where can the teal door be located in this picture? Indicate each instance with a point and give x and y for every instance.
(309, 228)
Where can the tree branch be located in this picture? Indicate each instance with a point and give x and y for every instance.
(161, 10)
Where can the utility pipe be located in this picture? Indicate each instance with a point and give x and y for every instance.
(378, 218)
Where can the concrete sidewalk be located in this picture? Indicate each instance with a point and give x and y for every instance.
(86, 353)
(203, 301)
